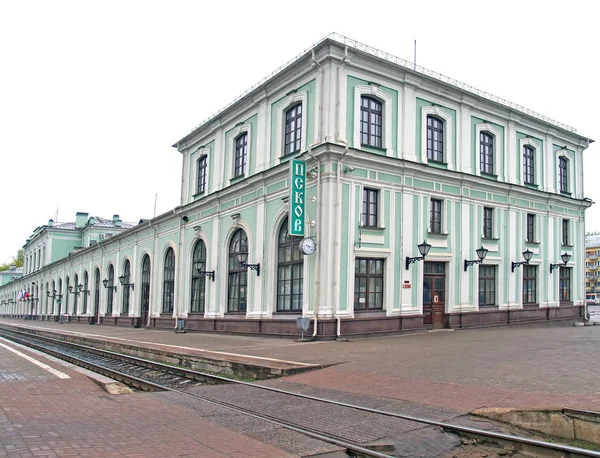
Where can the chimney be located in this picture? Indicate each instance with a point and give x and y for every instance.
(80, 219)
(115, 218)
(50, 222)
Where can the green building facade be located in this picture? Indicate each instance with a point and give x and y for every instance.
(397, 159)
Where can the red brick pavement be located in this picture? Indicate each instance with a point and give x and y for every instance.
(50, 417)
(462, 397)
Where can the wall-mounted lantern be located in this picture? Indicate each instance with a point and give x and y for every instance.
(565, 259)
(527, 254)
(481, 254)
(423, 250)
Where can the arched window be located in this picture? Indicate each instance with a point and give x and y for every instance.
(563, 180)
(145, 296)
(201, 174)
(528, 165)
(68, 282)
(435, 139)
(290, 267)
(238, 275)
(86, 291)
(97, 293)
(52, 312)
(486, 153)
(371, 121)
(59, 297)
(293, 129)
(76, 295)
(169, 281)
(126, 292)
(198, 281)
(47, 299)
(111, 291)
(241, 155)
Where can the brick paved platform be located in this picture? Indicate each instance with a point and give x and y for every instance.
(43, 415)
(463, 370)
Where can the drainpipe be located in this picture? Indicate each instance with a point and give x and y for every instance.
(338, 220)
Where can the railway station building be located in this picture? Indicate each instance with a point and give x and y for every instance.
(357, 190)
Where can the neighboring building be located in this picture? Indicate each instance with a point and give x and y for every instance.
(56, 241)
(592, 263)
(12, 273)
(395, 155)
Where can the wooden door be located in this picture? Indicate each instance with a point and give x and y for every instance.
(434, 295)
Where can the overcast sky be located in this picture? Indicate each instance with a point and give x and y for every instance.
(93, 94)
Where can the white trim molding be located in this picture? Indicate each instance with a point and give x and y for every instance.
(498, 146)
(537, 164)
(300, 97)
(448, 140)
(235, 133)
(373, 90)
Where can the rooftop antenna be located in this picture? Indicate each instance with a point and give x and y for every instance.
(155, 198)
(415, 59)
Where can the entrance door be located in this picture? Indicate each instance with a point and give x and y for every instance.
(434, 293)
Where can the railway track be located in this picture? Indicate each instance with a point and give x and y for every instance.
(149, 375)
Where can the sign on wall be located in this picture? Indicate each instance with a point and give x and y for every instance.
(297, 195)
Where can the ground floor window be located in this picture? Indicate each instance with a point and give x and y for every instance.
(564, 287)
(368, 284)
(487, 286)
(529, 285)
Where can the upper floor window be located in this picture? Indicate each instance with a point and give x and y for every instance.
(371, 122)
(530, 228)
(435, 139)
(293, 129)
(241, 155)
(528, 165)
(562, 174)
(169, 282)
(486, 153)
(201, 166)
(435, 216)
(369, 208)
(565, 231)
(488, 214)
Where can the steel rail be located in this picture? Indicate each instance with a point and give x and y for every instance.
(569, 450)
(150, 386)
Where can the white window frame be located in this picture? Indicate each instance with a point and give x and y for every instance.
(281, 109)
(537, 165)
(570, 172)
(495, 224)
(388, 278)
(380, 207)
(442, 216)
(498, 146)
(235, 133)
(196, 155)
(373, 90)
(448, 141)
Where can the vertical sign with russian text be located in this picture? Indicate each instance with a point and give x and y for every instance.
(297, 194)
